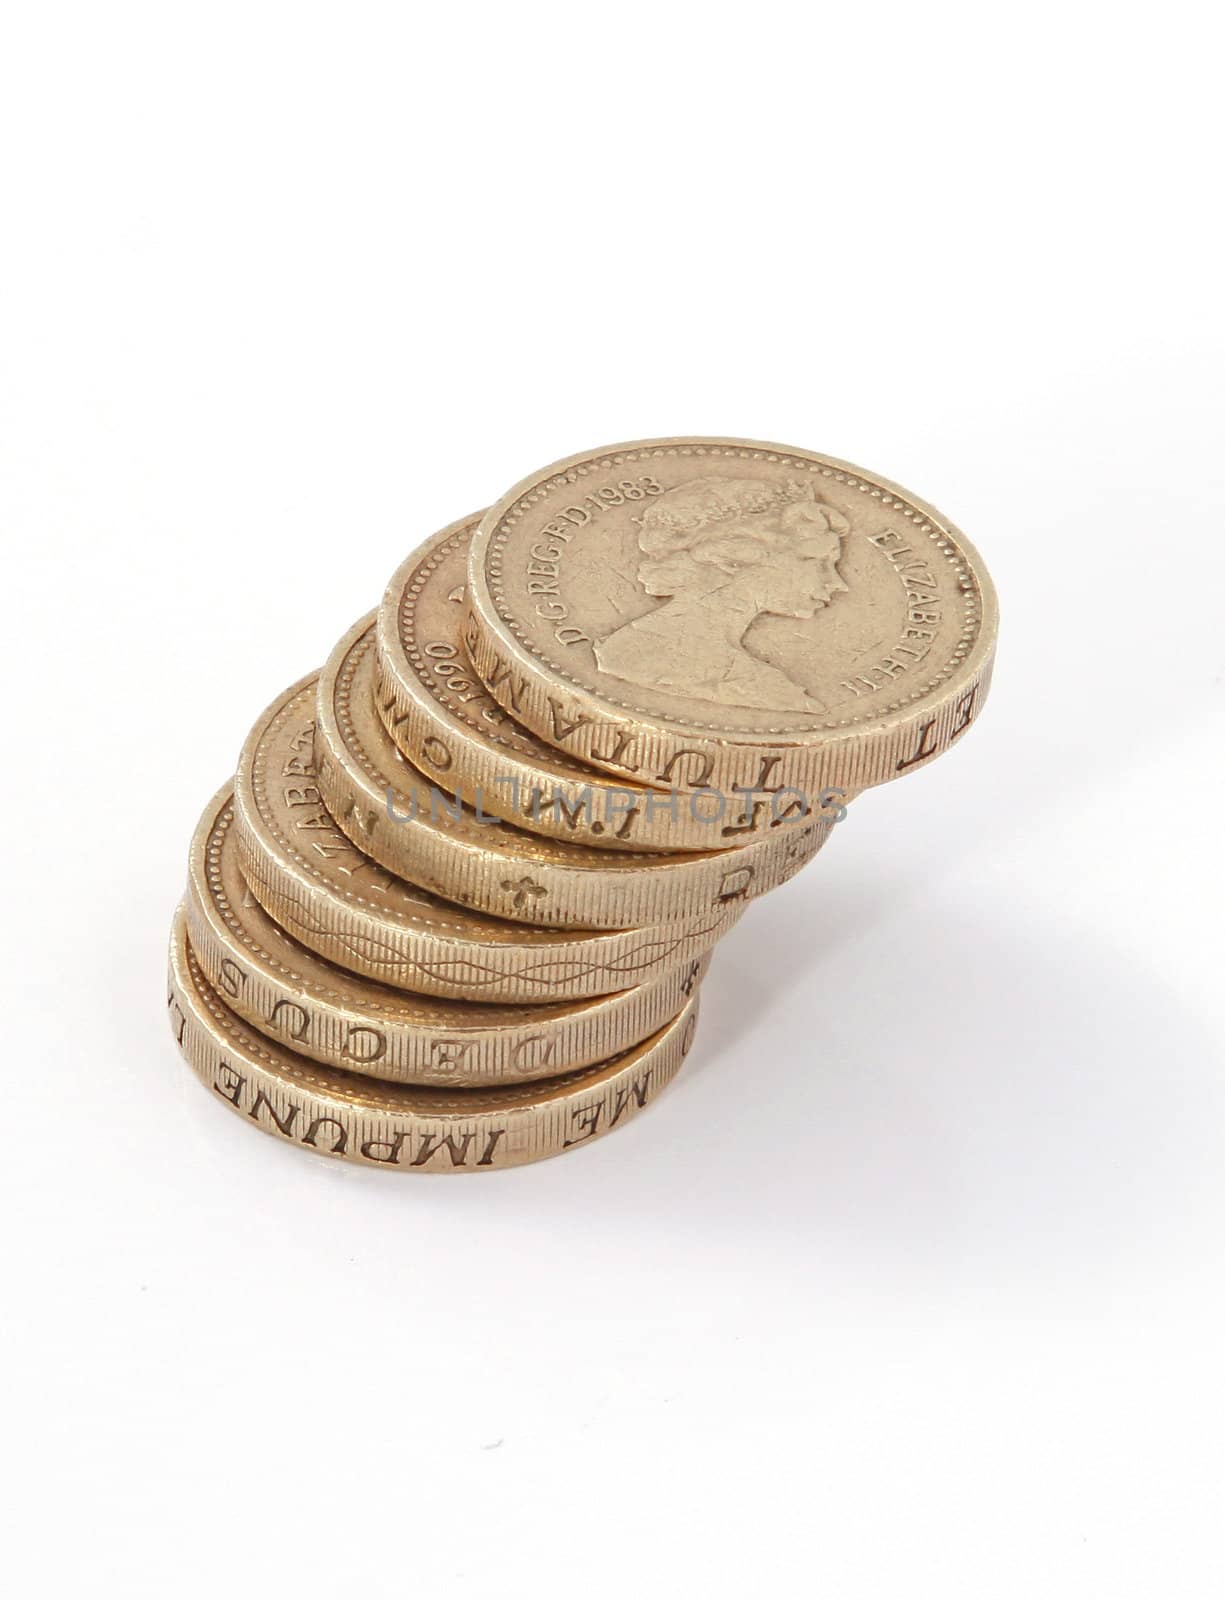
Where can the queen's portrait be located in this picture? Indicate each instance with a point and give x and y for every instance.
(722, 552)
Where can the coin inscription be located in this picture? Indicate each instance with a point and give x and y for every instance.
(408, 1128)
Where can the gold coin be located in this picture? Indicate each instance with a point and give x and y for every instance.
(416, 830)
(449, 726)
(330, 896)
(394, 1125)
(321, 1011)
(714, 612)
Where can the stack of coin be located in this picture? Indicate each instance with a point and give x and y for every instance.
(454, 910)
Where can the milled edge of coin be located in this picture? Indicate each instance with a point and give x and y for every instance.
(437, 956)
(295, 998)
(479, 763)
(873, 752)
(392, 1125)
(482, 866)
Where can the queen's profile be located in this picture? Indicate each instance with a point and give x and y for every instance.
(722, 552)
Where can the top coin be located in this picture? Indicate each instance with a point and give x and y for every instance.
(696, 612)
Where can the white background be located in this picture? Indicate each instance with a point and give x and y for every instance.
(912, 1285)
